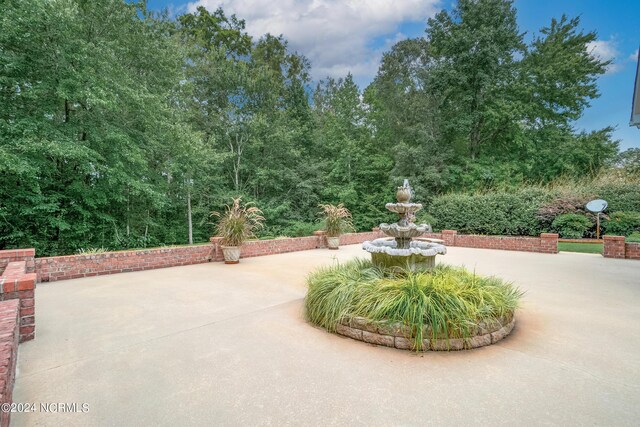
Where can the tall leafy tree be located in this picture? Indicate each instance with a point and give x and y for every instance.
(356, 165)
(474, 52)
(83, 89)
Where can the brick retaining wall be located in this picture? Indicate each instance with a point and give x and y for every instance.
(632, 250)
(50, 269)
(615, 247)
(75, 266)
(546, 243)
(9, 336)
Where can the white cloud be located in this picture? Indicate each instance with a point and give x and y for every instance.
(606, 50)
(336, 35)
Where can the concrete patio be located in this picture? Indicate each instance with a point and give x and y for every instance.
(213, 344)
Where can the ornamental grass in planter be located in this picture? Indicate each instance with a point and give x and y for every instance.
(236, 224)
(449, 302)
(337, 220)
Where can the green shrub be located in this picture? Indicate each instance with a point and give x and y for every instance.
(621, 196)
(501, 213)
(425, 218)
(301, 229)
(562, 204)
(531, 210)
(449, 299)
(571, 226)
(622, 223)
(633, 238)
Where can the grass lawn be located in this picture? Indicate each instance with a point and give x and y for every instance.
(587, 248)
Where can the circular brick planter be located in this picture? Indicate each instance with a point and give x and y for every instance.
(395, 335)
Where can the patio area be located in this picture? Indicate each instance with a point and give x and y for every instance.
(213, 344)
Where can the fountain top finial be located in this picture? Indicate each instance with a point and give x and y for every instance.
(404, 193)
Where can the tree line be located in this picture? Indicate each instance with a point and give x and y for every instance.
(122, 127)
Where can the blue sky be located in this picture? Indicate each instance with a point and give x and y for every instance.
(341, 36)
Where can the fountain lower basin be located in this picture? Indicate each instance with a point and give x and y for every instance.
(419, 256)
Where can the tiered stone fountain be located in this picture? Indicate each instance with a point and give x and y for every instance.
(404, 248)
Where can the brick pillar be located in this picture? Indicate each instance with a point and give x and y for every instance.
(449, 237)
(549, 243)
(613, 247)
(322, 241)
(217, 254)
(15, 283)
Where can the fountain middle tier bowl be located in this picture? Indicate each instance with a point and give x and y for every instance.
(405, 231)
(419, 256)
(403, 208)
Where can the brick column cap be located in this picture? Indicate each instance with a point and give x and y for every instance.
(549, 235)
(17, 253)
(614, 238)
(319, 233)
(449, 232)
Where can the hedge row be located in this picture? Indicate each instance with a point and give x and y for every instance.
(528, 211)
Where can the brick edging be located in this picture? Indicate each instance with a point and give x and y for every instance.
(396, 335)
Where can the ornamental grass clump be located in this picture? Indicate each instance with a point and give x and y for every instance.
(451, 301)
(238, 222)
(337, 219)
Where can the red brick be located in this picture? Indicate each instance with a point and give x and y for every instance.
(25, 330)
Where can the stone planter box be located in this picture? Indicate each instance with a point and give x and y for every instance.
(398, 335)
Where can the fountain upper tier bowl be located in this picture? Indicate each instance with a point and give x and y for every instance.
(403, 208)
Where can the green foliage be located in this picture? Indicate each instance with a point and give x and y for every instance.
(473, 107)
(621, 195)
(450, 300)
(423, 217)
(120, 127)
(633, 237)
(571, 226)
(622, 223)
(238, 222)
(562, 204)
(629, 161)
(301, 229)
(530, 210)
(501, 213)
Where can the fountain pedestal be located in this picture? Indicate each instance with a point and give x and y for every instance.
(404, 249)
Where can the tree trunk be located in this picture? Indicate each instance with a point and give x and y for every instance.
(189, 219)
